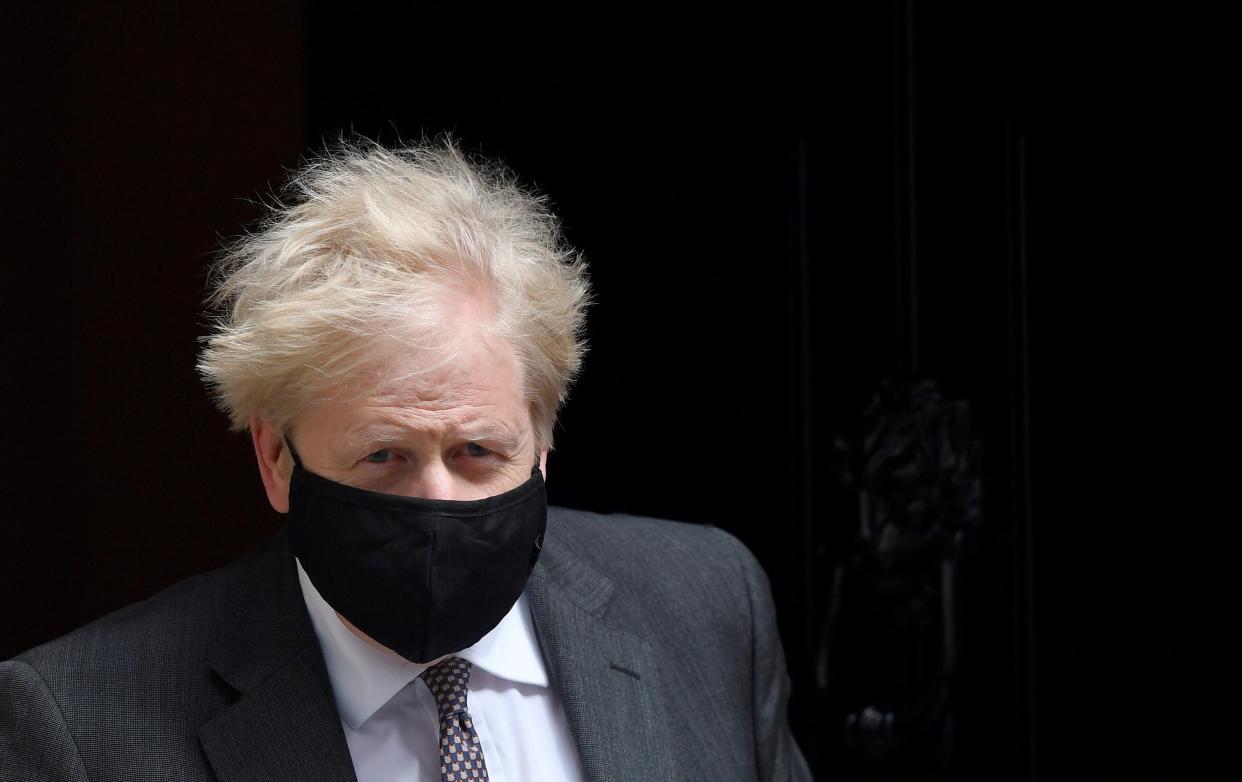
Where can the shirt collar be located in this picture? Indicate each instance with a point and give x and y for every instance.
(365, 676)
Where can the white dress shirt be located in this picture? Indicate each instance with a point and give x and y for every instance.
(390, 719)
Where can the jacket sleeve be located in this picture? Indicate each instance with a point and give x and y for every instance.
(35, 745)
(777, 757)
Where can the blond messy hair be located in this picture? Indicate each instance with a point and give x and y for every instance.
(359, 265)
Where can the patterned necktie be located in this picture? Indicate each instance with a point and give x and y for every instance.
(461, 754)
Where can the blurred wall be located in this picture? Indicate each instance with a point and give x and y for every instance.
(135, 136)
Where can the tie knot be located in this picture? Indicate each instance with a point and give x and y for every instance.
(448, 680)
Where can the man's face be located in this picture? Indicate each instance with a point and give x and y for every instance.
(459, 430)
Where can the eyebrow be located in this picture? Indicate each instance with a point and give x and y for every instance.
(483, 431)
(499, 434)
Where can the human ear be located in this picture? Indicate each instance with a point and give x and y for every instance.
(275, 466)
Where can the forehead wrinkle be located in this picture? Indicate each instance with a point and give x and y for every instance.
(419, 419)
(451, 385)
(388, 425)
(439, 397)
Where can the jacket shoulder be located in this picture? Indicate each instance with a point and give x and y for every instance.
(641, 545)
(701, 602)
(689, 573)
(170, 621)
(132, 690)
(154, 650)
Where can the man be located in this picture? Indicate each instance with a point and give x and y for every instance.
(397, 341)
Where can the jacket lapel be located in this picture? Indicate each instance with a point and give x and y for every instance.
(608, 678)
(284, 726)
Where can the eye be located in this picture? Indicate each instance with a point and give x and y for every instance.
(476, 450)
(381, 456)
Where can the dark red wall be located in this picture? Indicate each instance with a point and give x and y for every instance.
(135, 135)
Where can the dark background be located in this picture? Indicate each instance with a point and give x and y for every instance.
(750, 188)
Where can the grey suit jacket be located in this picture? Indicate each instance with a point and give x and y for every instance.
(659, 636)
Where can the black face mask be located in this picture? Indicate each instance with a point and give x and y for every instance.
(423, 577)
